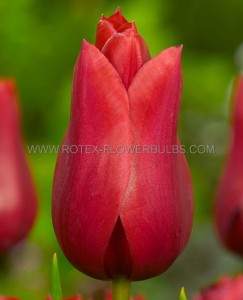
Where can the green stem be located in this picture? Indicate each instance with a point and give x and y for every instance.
(121, 289)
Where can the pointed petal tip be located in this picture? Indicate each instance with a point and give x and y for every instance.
(86, 47)
(85, 44)
(118, 9)
(173, 52)
(177, 51)
(134, 26)
(179, 48)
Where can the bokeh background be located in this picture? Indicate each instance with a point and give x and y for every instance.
(39, 43)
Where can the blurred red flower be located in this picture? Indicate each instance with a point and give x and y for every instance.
(227, 288)
(18, 204)
(229, 201)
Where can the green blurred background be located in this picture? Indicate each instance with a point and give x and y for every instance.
(39, 43)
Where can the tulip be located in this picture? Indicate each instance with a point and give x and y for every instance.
(227, 288)
(18, 205)
(123, 215)
(229, 200)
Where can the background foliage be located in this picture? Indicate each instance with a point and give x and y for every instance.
(39, 43)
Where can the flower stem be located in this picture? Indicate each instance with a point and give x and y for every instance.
(121, 289)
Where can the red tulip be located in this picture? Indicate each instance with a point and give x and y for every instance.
(128, 214)
(229, 201)
(226, 289)
(18, 205)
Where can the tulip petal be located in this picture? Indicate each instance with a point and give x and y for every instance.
(105, 30)
(157, 205)
(116, 19)
(89, 187)
(127, 53)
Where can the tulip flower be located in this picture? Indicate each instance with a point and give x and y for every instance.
(18, 205)
(227, 288)
(229, 201)
(121, 214)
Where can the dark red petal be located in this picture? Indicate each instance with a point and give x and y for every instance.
(118, 260)
(235, 230)
(88, 188)
(127, 54)
(157, 208)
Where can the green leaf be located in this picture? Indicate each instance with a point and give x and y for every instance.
(182, 294)
(56, 289)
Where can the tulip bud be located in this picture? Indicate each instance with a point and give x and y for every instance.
(124, 213)
(227, 288)
(120, 42)
(18, 205)
(229, 200)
